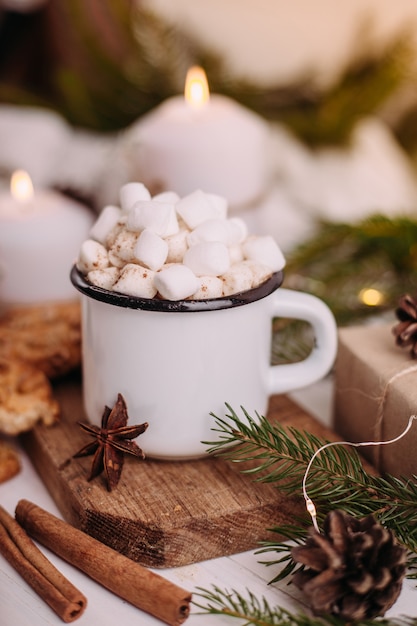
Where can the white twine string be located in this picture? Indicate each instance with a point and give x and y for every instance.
(394, 377)
(309, 503)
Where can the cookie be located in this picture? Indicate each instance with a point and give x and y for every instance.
(46, 336)
(25, 398)
(9, 461)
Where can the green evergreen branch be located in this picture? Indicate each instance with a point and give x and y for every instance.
(107, 87)
(337, 479)
(327, 115)
(260, 613)
(378, 252)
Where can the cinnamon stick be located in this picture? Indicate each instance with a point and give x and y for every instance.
(56, 590)
(131, 581)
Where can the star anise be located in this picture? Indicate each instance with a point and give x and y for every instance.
(406, 330)
(112, 442)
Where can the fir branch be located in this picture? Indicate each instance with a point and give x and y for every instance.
(292, 341)
(326, 115)
(114, 61)
(378, 252)
(337, 478)
(293, 534)
(260, 613)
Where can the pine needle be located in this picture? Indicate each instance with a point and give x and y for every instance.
(258, 612)
(378, 252)
(337, 479)
(127, 59)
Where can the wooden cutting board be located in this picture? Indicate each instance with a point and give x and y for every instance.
(163, 513)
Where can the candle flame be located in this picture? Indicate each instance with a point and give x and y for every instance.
(196, 91)
(21, 186)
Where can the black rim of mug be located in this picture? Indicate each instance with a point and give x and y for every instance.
(184, 306)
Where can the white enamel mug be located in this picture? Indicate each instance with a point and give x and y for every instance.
(177, 362)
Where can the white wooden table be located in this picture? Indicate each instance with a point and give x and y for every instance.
(20, 605)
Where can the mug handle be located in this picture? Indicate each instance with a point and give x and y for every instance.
(288, 303)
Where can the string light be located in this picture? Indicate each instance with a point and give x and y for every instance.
(310, 506)
(371, 297)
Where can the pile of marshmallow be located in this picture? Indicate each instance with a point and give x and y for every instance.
(175, 248)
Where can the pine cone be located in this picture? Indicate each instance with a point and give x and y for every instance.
(354, 570)
(406, 329)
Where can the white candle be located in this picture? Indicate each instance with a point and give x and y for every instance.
(40, 235)
(203, 141)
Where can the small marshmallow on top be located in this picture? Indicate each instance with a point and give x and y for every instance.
(236, 254)
(210, 287)
(238, 278)
(104, 278)
(167, 196)
(151, 250)
(131, 193)
(106, 221)
(228, 231)
(135, 280)
(176, 282)
(157, 216)
(177, 246)
(123, 246)
(260, 272)
(198, 207)
(208, 258)
(92, 256)
(265, 250)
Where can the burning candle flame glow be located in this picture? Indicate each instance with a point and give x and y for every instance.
(196, 91)
(21, 186)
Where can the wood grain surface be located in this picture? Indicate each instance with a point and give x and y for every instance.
(163, 513)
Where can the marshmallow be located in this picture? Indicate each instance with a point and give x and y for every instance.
(176, 282)
(210, 230)
(167, 196)
(264, 250)
(260, 272)
(131, 193)
(229, 232)
(238, 230)
(105, 223)
(115, 260)
(198, 207)
(151, 250)
(136, 281)
(210, 287)
(219, 205)
(177, 246)
(111, 237)
(208, 258)
(93, 256)
(104, 278)
(236, 254)
(123, 246)
(157, 216)
(238, 278)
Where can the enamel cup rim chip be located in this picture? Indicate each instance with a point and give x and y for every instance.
(185, 306)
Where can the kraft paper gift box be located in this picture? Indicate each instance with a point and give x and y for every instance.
(375, 394)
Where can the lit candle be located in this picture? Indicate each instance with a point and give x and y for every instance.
(206, 141)
(40, 234)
